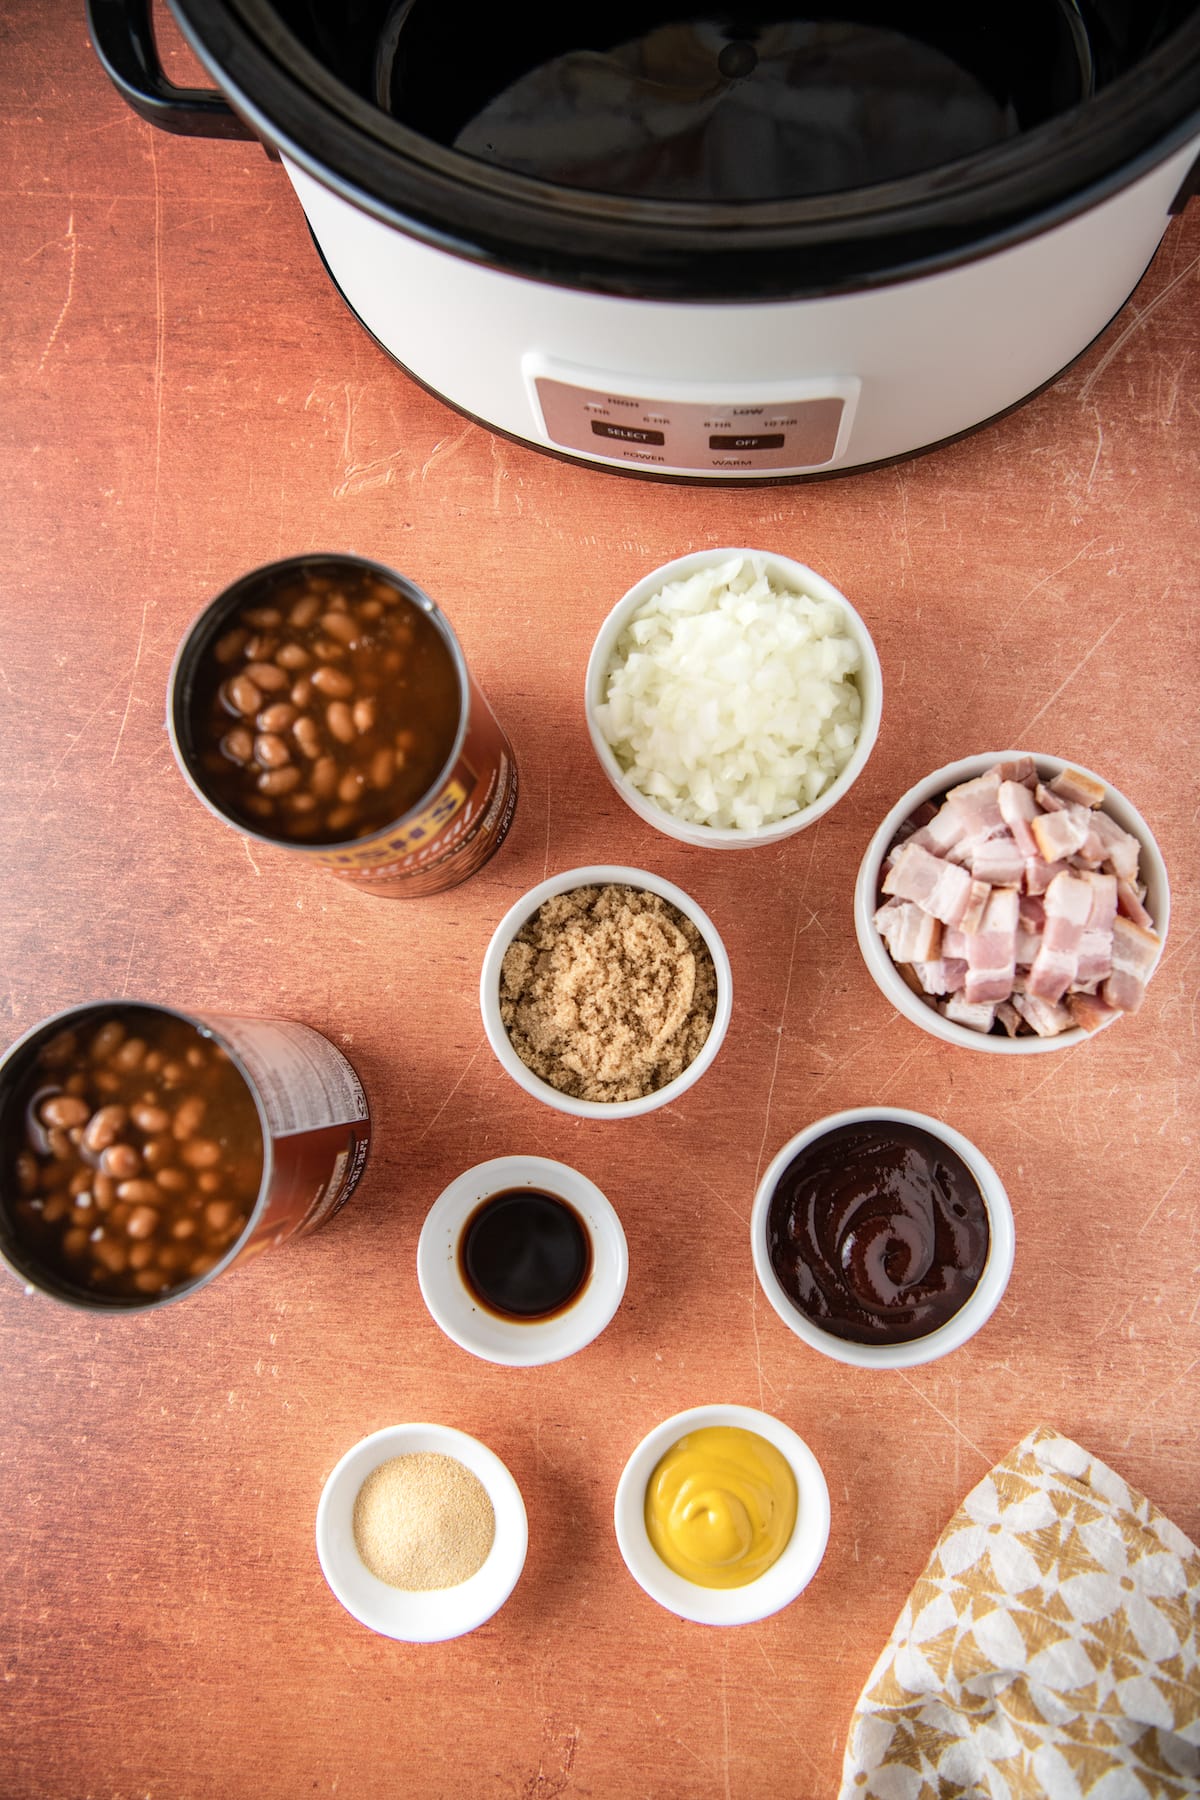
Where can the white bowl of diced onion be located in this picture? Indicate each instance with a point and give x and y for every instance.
(732, 697)
(922, 1008)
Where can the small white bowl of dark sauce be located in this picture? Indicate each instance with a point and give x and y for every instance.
(522, 1261)
(848, 1274)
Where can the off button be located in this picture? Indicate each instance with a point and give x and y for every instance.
(763, 441)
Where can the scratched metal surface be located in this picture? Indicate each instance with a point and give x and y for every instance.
(182, 396)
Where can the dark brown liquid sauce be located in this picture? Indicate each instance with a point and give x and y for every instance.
(878, 1232)
(525, 1255)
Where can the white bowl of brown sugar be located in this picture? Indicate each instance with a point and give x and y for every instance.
(606, 992)
(421, 1532)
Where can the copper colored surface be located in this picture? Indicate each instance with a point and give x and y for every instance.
(182, 397)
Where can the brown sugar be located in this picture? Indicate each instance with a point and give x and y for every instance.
(608, 993)
(423, 1521)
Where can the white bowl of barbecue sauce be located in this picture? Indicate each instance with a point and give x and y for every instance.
(522, 1261)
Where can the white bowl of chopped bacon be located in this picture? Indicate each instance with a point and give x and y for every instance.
(1012, 902)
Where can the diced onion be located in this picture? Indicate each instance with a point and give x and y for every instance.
(732, 702)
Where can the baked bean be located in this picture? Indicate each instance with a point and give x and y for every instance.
(276, 718)
(60, 1144)
(340, 819)
(302, 692)
(76, 1084)
(341, 626)
(340, 721)
(104, 1127)
(325, 778)
(27, 1172)
(364, 716)
(174, 1072)
(106, 1081)
(60, 1050)
(157, 1152)
(201, 1153)
(138, 1191)
(241, 695)
(267, 677)
(262, 647)
(189, 1116)
(300, 803)
(121, 1161)
(104, 1191)
(108, 1251)
(149, 1281)
(279, 781)
(270, 752)
(305, 611)
(306, 733)
(202, 1264)
(141, 1221)
(266, 618)
(371, 609)
(328, 650)
(335, 684)
(208, 1181)
(183, 1228)
(383, 767)
(261, 805)
(80, 1183)
(292, 657)
(229, 647)
(56, 1208)
(238, 745)
(141, 1255)
(351, 785)
(150, 1118)
(172, 1181)
(130, 1055)
(406, 741)
(106, 1040)
(63, 1110)
(75, 1241)
(153, 1062)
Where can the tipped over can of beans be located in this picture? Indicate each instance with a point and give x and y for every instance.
(144, 1150)
(323, 704)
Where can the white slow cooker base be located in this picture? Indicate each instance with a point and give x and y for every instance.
(708, 391)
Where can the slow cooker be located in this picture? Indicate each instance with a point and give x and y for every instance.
(750, 242)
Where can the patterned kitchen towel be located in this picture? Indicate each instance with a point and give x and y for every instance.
(1050, 1651)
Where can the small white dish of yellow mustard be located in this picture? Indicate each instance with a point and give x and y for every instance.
(722, 1515)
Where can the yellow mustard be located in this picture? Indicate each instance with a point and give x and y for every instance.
(721, 1506)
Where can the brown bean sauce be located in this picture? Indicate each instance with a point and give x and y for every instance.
(878, 1232)
(324, 709)
(525, 1255)
(131, 1156)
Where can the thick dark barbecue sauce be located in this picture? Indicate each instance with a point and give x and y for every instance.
(878, 1232)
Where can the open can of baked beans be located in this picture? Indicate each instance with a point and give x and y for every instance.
(323, 704)
(145, 1150)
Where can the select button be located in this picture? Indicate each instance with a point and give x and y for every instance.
(762, 441)
(629, 434)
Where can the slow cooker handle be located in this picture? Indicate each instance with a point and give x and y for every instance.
(122, 34)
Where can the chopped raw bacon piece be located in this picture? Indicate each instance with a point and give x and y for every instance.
(946, 976)
(1058, 834)
(1090, 1011)
(1008, 1016)
(1021, 769)
(1083, 789)
(1068, 908)
(977, 803)
(978, 1017)
(998, 861)
(940, 834)
(977, 901)
(1129, 905)
(1046, 1018)
(911, 934)
(940, 887)
(992, 950)
(1135, 952)
(1039, 874)
(1115, 847)
(1018, 809)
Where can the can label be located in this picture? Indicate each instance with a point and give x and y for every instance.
(317, 1117)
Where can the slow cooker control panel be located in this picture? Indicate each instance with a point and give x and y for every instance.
(723, 432)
